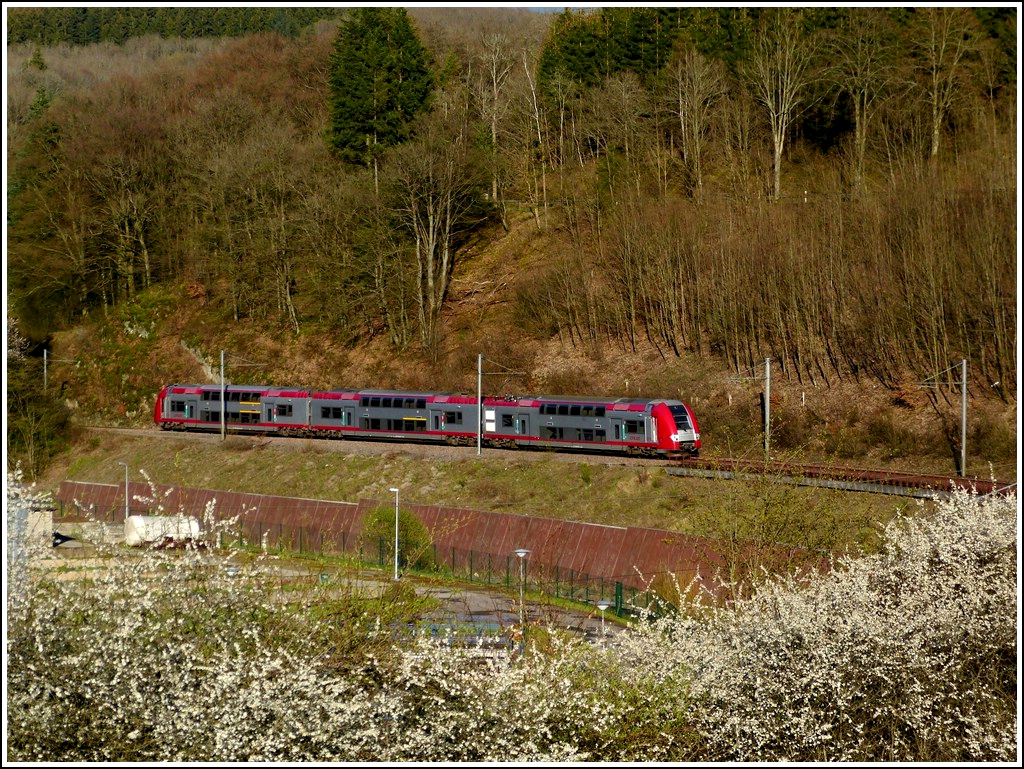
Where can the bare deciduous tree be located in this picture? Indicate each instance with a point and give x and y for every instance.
(695, 85)
(435, 182)
(862, 68)
(539, 121)
(498, 62)
(780, 73)
(945, 37)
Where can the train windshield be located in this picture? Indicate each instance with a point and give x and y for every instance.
(681, 418)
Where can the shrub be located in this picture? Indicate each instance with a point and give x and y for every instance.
(896, 441)
(414, 543)
(906, 655)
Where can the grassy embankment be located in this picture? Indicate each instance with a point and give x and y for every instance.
(550, 486)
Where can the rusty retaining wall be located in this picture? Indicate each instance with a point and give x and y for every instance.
(627, 555)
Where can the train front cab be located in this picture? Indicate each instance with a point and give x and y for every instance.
(676, 426)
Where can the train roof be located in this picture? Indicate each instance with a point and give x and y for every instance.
(615, 404)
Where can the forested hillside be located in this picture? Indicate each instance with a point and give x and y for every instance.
(86, 26)
(831, 188)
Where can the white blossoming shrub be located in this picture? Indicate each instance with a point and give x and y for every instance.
(907, 655)
(165, 656)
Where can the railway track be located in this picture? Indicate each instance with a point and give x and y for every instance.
(845, 478)
(828, 476)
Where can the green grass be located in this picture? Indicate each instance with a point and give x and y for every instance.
(548, 487)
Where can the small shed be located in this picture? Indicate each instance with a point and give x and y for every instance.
(147, 529)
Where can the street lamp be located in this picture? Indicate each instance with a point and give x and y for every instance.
(125, 464)
(395, 492)
(522, 553)
(602, 605)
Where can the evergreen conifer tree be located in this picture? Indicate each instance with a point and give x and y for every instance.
(379, 80)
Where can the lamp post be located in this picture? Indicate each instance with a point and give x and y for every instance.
(395, 492)
(125, 465)
(602, 605)
(522, 553)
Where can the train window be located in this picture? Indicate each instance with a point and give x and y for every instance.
(548, 409)
(634, 428)
(680, 416)
(587, 411)
(364, 401)
(563, 411)
(588, 435)
(386, 403)
(211, 396)
(453, 417)
(599, 411)
(551, 433)
(506, 420)
(421, 403)
(374, 403)
(177, 405)
(574, 411)
(284, 409)
(599, 436)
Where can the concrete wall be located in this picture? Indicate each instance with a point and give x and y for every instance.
(464, 539)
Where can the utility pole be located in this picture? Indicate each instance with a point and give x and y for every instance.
(767, 407)
(480, 395)
(479, 402)
(46, 366)
(963, 418)
(223, 390)
(223, 416)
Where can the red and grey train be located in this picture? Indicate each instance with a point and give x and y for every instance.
(641, 427)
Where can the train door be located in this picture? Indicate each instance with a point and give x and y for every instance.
(522, 424)
(618, 429)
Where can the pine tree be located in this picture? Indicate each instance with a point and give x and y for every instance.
(378, 80)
